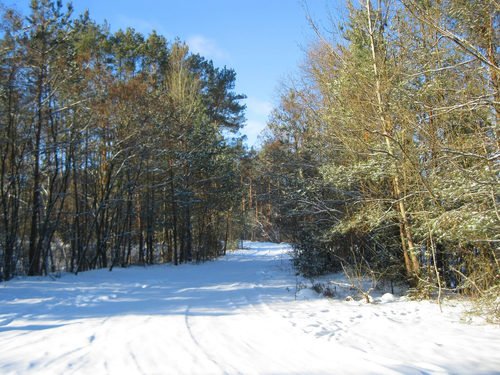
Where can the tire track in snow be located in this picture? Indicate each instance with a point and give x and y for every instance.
(134, 359)
(196, 342)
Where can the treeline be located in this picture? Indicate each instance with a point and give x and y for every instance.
(383, 155)
(114, 147)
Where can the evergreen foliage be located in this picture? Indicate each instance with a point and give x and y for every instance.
(385, 151)
(112, 147)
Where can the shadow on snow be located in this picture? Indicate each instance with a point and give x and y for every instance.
(221, 287)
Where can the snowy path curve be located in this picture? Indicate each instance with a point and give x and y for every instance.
(236, 315)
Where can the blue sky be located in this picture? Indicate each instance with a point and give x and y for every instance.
(262, 40)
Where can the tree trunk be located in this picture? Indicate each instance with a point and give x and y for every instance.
(174, 214)
(407, 238)
(34, 248)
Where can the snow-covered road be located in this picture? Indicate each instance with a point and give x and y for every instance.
(235, 315)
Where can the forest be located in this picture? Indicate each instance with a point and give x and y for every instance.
(382, 157)
(114, 147)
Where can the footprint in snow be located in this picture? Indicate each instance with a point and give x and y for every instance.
(324, 332)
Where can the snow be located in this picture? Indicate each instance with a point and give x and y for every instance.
(306, 293)
(387, 297)
(247, 313)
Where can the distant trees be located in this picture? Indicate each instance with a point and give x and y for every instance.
(112, 147)
(392, 141)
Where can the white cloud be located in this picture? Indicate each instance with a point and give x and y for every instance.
(259, 107)
(206, 47)
(252, 130)
(258, 112)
